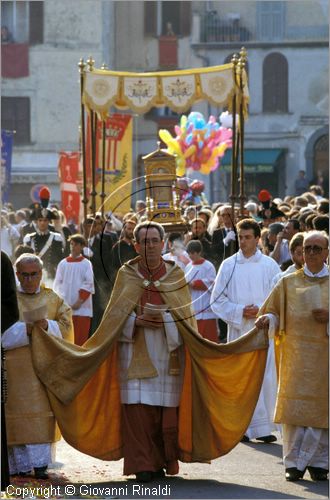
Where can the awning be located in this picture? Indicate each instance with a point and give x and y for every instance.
(255, 160)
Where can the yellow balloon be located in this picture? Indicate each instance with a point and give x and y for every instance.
(173, 148)
(190, 151)
(221, 149)
(180, 166)
(183, 122)
(214, 154)
(206, 168)
(165, 136)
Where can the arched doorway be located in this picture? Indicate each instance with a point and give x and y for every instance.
(321, 163)
(317, 155)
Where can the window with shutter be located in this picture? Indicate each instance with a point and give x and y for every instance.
(178, 15)
(36, 22)
(150, 18)
(271, 20)
(24, 20)
(185, 18)
(275, 84)
(15, 115)
(164, 16)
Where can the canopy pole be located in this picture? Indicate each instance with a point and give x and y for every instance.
(103, 194)
(93, 133)
(241, 68)
(232, 197)
(84, 200)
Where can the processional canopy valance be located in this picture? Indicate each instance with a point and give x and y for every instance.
(176, 89)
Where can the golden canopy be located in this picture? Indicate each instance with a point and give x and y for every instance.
(224, 85)
(176, 89)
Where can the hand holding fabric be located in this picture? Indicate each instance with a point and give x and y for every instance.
(262, 322)
(42, 323)
(250, 311)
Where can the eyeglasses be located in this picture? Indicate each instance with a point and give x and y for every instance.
(153, 241)
(314, 248)
(33, 275)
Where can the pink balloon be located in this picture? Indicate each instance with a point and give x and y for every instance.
(190, 128)
(212, 143)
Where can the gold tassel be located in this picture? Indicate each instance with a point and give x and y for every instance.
(280, 337)
(174, 363)
(141, 365)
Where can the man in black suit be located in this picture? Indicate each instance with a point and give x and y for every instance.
(224, 241)
(224, 244)
(124, 249)
(99, 253)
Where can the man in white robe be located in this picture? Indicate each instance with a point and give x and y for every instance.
(241, 286)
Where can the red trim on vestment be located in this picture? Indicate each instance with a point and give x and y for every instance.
(84, 294)
(72, 259)
(198, 285)
(200, 261)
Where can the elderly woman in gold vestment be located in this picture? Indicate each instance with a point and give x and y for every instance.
(31, 425)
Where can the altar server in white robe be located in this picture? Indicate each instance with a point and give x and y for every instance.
(200, 275)
(74, 282)
(243, 282)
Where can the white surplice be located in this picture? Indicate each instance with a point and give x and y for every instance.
(71, 277)
(240, 282)
(200, 299)
(165, 389)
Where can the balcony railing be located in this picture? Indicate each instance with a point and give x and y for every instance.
(213, 29)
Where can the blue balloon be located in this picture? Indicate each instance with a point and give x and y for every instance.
(200, 124)
(189, 138)
(194, 116)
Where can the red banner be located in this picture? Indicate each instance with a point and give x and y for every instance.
(14, 60)
(115, 128)
(68, 170)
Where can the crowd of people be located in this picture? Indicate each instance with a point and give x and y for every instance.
(234, 277)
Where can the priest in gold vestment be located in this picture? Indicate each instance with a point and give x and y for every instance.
(31, 426)
(297, 313)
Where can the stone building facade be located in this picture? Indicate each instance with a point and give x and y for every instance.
(287, 44)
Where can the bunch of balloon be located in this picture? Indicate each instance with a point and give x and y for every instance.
(198, 144)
